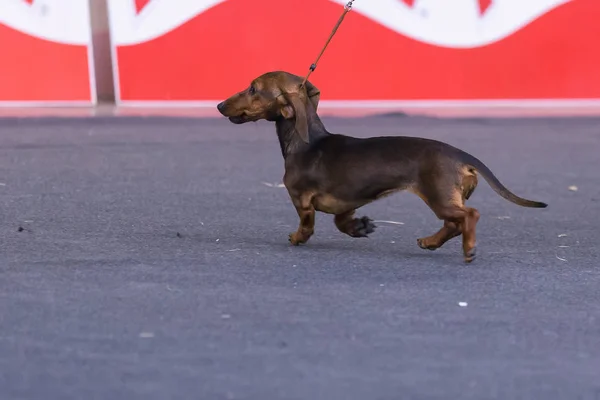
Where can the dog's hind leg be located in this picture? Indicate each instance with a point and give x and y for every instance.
(355, 227)
(447, 202)
(450, 229)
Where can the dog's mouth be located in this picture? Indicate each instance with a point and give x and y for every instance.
(243, 117)
(239, 119)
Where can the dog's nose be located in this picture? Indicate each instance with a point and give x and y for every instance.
(221, 106)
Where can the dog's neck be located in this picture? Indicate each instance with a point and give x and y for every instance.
(290, 141)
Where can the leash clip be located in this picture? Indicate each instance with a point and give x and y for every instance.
(348, 6)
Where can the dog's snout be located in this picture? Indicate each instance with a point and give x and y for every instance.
(221, 107)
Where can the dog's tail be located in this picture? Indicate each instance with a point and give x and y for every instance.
(495, 184)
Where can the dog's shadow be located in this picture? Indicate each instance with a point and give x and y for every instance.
(376, 249)
(379, 251)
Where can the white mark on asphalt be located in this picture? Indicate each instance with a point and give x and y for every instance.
(273, 185)
(390, 222)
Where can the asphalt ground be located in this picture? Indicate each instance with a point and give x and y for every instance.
(147, 258)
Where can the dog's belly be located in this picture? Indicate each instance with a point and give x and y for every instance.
(346, 198)
(333, 205)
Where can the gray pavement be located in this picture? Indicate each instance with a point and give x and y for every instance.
(153, 263)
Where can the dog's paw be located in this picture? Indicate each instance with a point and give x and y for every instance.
(362, 227)
(296, 238)
(470, 255)
(423, 244)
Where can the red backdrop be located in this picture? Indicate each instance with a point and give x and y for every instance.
(45, 51)
(217, 52)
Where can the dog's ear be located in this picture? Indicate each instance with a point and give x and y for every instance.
(296, 107)
(314, 94)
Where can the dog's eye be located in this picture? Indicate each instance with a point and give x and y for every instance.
(252, 90)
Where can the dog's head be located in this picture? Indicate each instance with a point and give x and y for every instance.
(272, 96)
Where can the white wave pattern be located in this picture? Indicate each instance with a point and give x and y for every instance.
(62, 21)
(454, 23)
(129, 26)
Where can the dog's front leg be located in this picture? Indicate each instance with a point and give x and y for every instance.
(306, 213)
(355, 227)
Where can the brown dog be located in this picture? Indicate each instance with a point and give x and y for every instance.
(337, 174)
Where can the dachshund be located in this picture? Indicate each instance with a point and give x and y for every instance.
(336, 174)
